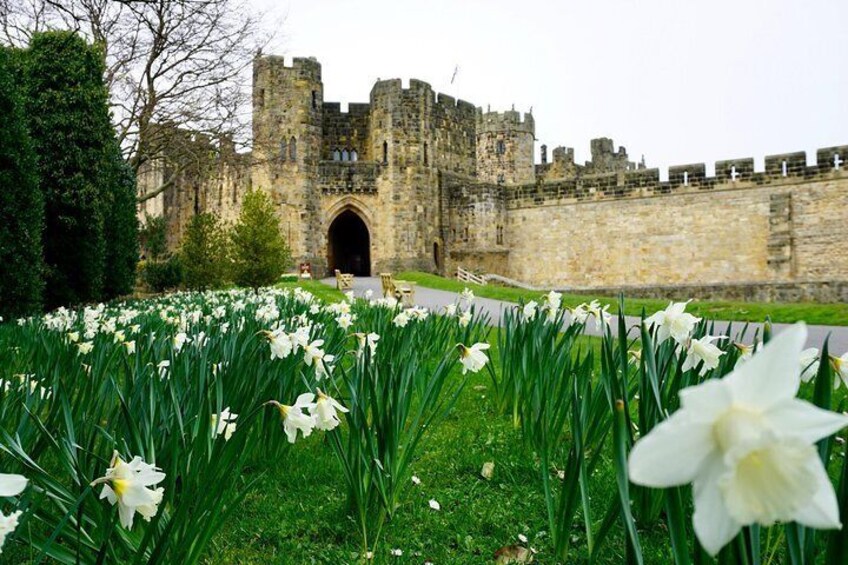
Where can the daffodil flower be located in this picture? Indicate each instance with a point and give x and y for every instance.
(473, 358)
(529, 310)
(10, 485)
(748, 447)
(324, 412)
(840, 366)
(294, 418)
(673, 322)
(225, 425)
(702, 350)
(126, 484)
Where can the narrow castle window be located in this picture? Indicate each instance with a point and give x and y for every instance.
(283, 150)
(500, 179)
(426, 157)
(337, 156)
(314, 100)
(500, 148)
(353, 155)
(385, 152)
(293, 149)
(261, 98)
(345, 155)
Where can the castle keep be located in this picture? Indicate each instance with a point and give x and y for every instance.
(414, 180)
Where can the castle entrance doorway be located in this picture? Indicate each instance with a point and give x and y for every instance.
(349, 245)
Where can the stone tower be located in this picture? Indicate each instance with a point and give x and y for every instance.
(287, 144)
(505, 147)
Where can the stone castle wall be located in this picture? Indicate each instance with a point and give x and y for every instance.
(623, 229)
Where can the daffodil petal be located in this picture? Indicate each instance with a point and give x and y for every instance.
(713, 524)
(772, 374)
(12, 485)
(822, 512)
(706, 401)
(805, 420)
(672, 453)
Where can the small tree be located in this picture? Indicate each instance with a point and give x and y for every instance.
(21, 204)
(153, 237)
(260, 253)
(203, 253)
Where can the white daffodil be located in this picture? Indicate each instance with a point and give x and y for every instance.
(703, 349)
(473, 358)
(367, 340)
(180, 340)
(464, 319)
(324, 412)
(434, 504)
(368, 294)
(126, 484)
(73, 337)
(602, 317)
(401, 320)
(280, 344)
(130, 345)
(840, 366)
(748, 446)
(294, 418)
(746, 351)
(450, 310)
(467, 295)
(553, 300)
(226, 425)
(350, 296)
(163, 368)
(673, 322)
(809, 360)
(579, 314)
(7, 526)
(345, 321)
(529, 310)
(85, 347)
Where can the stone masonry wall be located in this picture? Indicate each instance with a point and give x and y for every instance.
(785, 224)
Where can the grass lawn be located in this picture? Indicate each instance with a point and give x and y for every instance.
(298, 515)
(823, 314)
(319, 289)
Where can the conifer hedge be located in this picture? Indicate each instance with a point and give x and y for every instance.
(21, 206)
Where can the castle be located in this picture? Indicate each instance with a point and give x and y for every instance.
(414, 180)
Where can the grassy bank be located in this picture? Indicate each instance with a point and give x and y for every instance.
(821, 314)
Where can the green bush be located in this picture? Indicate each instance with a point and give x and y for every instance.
(163, 275)
(74, 140)
(260, 253)
(203, 252)
(21, 204)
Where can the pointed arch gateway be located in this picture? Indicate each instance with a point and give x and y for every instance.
(349, 244)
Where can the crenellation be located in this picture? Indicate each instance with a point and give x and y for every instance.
(832, 158)
(693, 175)
(786, 164)
(734, 170)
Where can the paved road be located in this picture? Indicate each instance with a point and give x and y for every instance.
(437, 299)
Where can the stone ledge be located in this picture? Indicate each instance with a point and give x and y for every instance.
(796, 291)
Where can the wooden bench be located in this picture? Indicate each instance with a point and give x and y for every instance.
(404, 291)
(344, 281)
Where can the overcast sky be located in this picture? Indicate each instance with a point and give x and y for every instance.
(678, 81)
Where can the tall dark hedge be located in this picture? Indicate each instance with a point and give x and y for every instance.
(121, 227)
(73, 137)
(21, 205)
